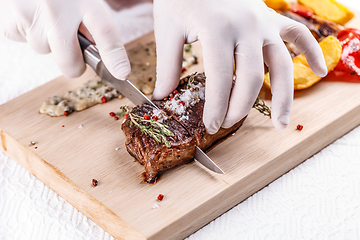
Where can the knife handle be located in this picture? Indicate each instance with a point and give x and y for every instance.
(90, 52)
(84, 42)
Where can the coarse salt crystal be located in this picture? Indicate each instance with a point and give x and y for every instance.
(187, 97)
(155, 206)
(81, 126)
(117, 149)
(183, 117)
(161, 116)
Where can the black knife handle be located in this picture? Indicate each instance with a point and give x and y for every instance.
(84, 42)
(90, 52)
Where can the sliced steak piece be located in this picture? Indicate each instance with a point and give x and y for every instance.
(154, 154)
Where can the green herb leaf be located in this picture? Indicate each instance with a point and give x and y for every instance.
(262, 107)
(158, 131)
(121, 114)
(191, 80)
(187, 48)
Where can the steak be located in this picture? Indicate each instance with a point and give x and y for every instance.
(156, 155)
(181, 113)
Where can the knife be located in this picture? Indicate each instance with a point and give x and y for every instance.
(126, 88)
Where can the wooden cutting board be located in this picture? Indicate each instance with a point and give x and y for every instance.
(67, 157)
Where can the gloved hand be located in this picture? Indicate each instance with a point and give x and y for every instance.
(117, 5)
(247, 30)
(52, 25)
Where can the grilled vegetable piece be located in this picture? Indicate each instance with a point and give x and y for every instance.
(278, 4)
(329, 9)
(304, 77)
(319, 27)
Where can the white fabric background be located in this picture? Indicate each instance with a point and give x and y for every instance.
(319, 199)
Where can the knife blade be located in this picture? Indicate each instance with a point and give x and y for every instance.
(126, 88)
(204, 159)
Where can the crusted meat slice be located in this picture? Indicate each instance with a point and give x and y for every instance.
(155, 154)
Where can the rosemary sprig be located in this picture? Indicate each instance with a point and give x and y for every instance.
(156, 130)
(187, 48)
(262, 107)
(151, 127)
(191, 80)
(124, 110)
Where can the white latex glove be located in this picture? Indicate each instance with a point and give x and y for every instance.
(247, 30)
(117, 5)
(52, 25)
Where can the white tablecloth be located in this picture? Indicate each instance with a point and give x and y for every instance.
(319, 199)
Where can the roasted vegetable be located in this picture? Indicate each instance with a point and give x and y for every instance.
(330, 10)
(304, 77)
(348, 68)
(277, 4)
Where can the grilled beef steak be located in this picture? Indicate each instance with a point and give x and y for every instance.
(155, 155)
(182, 113)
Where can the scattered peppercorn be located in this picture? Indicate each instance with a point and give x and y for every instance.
(66, 113)
(182, 103)
(116, 118)
(183, 69)
(112, 114)
(175, 92)
(63, 125)
(160, 197)
(94, 182)
(299, 127)
(146, 117)
(155, 118)
(35, 147)
(103, 99)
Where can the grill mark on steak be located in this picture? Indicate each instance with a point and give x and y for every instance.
(188, 133)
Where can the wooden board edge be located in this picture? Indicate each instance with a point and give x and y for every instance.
(59, 183)
(252, 183)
